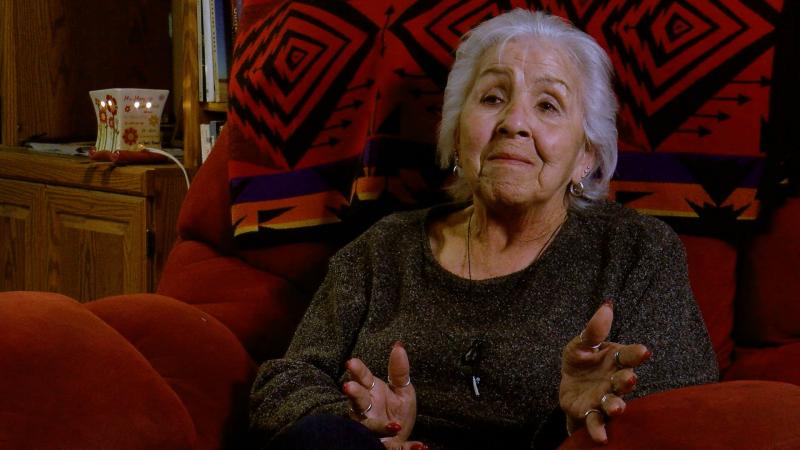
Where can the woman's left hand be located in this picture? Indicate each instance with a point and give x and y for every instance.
(595, 374)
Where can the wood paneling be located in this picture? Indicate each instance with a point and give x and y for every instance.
(20, 224)
(96, 244)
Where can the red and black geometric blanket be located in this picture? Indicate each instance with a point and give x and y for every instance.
(334, 106)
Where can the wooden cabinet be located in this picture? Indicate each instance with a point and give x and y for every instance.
(84, 229)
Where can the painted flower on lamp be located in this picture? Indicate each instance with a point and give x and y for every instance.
(130, 136)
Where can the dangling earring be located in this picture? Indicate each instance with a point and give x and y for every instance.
(456, 165)
(576, 189)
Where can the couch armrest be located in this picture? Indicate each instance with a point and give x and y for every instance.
(69, 380)
(197, 356)
(736, 415)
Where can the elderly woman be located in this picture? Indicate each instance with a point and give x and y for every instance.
(527, 302)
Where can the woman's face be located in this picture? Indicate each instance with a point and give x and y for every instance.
(520, 136)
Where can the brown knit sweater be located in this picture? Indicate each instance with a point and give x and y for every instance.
(386, 286)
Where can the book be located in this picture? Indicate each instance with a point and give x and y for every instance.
(205, 141)
(220, 51)
(236, 12)
(201, 61)
(210, 94)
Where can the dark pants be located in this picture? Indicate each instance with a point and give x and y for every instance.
(327, 432)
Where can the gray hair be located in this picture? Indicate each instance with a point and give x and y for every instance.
(600, 104)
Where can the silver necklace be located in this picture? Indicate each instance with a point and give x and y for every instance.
(538, 254)
(473, 356)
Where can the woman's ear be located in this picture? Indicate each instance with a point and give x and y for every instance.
(587, 161)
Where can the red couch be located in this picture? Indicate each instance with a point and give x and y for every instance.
(172, 370)
(149, 371)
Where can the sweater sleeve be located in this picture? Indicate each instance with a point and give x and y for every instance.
(308, 379)
(656, 308)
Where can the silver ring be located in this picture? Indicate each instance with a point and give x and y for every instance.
(594, 348)
(604, 397)
(373, 384)
(593, 410)
(402, 385)
(616, 360)
(362, 414)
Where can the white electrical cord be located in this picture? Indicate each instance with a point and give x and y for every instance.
(174, 159)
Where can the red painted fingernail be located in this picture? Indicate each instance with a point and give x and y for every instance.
(393, 427)
(399, 344)
(633, 380)
(344, 388)
(647, 355)
(419, 446)
(609, 302)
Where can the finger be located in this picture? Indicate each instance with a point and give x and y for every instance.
(360, 401)
(623, 381)
(596, 426)
(399, 369)
(631, 355)
(391, 444)
(360, 373)
(612, 405)
(598, 327)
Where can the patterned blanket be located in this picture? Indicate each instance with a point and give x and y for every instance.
(334, 106)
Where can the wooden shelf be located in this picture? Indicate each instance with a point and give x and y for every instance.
(218, 107)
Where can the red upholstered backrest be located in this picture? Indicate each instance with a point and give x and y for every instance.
(768, 305)
(205, 217)
(712, 273)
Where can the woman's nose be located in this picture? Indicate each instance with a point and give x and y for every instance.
(515, 121)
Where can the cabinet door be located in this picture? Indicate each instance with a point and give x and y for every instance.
(21, 235)
(97, 243)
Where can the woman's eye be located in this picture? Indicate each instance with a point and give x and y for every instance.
(491, 99)
(548, 107)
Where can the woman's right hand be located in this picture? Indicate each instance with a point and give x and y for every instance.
(388, 409)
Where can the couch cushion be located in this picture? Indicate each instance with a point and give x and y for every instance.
(737, 415)
(200, 359)
(259, 307)
(772, 363)
(712, 273)
(69, 380)
(768, 308)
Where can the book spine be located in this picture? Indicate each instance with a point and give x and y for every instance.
(220, 52)
(201, 61)
(205, 141)
(208, 49)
